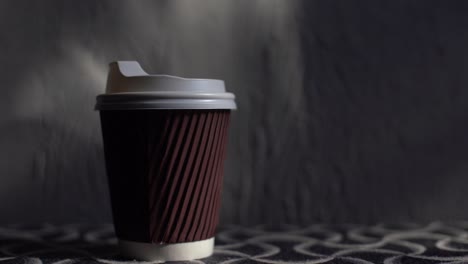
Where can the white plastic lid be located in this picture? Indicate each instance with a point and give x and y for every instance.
(130, 87)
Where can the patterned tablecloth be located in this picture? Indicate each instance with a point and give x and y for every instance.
(402, 243)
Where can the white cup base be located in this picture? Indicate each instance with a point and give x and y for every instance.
(167, 252)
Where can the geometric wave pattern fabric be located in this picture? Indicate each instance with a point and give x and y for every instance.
(400, 243)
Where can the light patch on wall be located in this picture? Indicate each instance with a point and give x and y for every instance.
(63, 86)
(56, 138)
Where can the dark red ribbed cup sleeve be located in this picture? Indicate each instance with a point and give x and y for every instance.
(165, 170)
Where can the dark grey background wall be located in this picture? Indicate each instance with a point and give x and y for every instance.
(349, 111)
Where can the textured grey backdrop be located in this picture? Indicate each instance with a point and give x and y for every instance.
(349, 111)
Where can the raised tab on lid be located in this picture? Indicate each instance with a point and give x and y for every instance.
(128, 68)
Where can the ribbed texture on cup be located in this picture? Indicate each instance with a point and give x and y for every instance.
(165, 172)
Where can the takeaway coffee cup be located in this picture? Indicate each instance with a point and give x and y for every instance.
(164, 143)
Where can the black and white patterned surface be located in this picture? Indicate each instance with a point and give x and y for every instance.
(403, 243)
